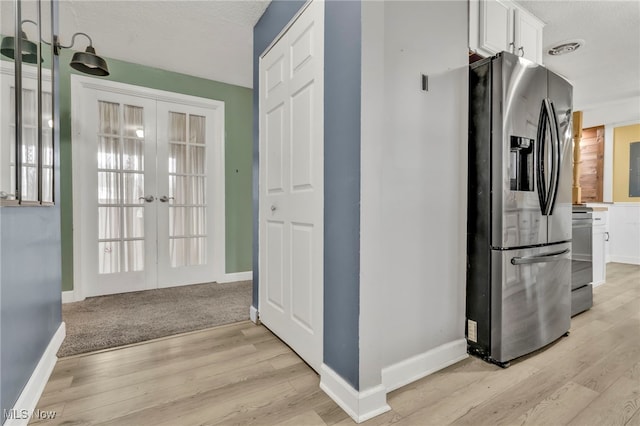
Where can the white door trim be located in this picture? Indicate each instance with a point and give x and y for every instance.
(80, 167)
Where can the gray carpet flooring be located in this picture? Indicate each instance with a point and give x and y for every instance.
(121, 319)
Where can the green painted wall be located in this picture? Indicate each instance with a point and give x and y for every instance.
(238, 152)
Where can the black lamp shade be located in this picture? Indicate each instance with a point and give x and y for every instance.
(29, 49)
(89, 63)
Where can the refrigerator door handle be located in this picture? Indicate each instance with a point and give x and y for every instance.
(555, 157)
(544, 258)
(540, 172)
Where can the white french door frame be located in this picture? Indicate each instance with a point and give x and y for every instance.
(83, 164)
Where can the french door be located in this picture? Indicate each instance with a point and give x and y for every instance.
(124, 177)
(148, 193)
(185, 215)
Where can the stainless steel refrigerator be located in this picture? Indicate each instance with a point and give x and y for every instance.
(519, 208)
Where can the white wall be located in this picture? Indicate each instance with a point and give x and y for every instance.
(624, 218)
(413, 189)
(372, 261)
(619, 111)
(613, 114)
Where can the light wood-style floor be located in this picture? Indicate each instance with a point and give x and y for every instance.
(242, 374)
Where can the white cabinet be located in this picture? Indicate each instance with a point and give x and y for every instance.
(497, 25)
(527, 35)
(600, 237)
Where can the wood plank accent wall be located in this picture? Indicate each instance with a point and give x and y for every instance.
(576, 194)
(592, 164)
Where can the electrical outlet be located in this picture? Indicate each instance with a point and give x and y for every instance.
(472, 331)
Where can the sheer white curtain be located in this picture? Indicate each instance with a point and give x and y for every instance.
(178, 189)
(120, 186)
(121, 171)
(187, 180)
(109, 182)
(197, 160)
(133, 172)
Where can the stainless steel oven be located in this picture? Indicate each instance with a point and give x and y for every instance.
(581, 260)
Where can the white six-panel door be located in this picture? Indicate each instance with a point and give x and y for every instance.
(291, 185)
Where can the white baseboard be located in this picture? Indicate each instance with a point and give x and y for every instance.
(419, 366)
(253, 315)
(75, 296)
(625, 259)
(236, 276)
(70, 297)
(361, 406)
(26, 404)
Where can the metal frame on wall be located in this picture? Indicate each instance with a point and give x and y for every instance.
(18, 197)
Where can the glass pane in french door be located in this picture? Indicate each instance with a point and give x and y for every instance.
(121, 246)
(187, 186)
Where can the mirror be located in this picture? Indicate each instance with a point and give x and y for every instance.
(46, 116)
(28, 154)
(7, 106)
(27, 143)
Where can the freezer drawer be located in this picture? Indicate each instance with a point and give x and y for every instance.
(531, 299)
(581, 299)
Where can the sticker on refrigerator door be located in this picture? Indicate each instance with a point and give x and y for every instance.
(472, 330)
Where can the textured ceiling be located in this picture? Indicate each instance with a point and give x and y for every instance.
(211, 39)
(606, 69)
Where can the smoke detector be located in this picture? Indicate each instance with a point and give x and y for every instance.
(566, 47)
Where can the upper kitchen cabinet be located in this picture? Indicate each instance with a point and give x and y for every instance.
(527, 35)
(497, 25)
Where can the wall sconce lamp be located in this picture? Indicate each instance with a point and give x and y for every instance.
(86, 62)
(29, 48)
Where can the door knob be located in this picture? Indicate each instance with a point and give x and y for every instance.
(273, 208)
(165, 199)
(148, 198)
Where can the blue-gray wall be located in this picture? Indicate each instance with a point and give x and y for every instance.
(30, 285)
(342, 187)
(342, 173)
